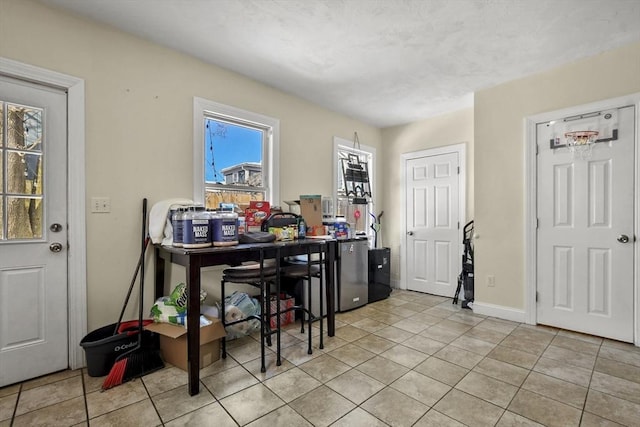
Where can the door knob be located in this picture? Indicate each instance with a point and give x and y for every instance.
(410, 233)
(55, 247)
(623, 238)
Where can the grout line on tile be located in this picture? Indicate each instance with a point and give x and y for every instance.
(84, 395)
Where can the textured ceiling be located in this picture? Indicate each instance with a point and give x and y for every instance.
(385, 62)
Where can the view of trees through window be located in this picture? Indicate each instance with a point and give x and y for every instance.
(21, 188)
(234, 155)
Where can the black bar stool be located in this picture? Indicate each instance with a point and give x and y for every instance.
(305, 271)
(260, 276)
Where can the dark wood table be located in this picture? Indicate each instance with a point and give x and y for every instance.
(194, 259)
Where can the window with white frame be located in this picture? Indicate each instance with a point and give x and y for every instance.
(235, 155)
(344, 149)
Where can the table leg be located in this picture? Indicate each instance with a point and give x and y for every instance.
(330, 264)
(159, 274)
(193, 324)
(278, 321)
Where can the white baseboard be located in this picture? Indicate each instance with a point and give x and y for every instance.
(499, 311)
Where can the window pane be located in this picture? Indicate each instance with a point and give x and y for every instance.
(2, 144)
(240, 198)
(233, 154)
(24, 217)
(1, 127)
(24, 173)
(365, 160)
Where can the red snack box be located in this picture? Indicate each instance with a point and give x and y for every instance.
(257, 212)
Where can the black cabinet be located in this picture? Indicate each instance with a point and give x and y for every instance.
(379, 274)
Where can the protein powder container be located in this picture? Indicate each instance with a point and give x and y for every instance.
(197, 233)
(177, 222)
(224, 228)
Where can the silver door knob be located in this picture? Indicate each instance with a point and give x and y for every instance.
(410, 233)
(623, 238)
(55, 247)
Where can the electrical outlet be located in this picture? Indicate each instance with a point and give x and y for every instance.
(491, 280)
(100, 204)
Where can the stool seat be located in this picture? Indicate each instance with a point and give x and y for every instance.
(249, 272)
(298, 271)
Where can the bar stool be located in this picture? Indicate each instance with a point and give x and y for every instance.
(260, 276)
(305, 271)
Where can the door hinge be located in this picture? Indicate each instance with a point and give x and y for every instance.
(537, 295)
(458, 225)
(537, 149)
(537, 223)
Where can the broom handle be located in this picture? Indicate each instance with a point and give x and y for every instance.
(144, 235)
(133, 282)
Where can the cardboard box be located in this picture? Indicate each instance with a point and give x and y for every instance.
(257, 212)
(311, 210)
(173, 343)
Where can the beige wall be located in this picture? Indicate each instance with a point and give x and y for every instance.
(499, 158)
(139, 103)
(447, 129)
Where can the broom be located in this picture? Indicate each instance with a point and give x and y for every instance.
(141, 360)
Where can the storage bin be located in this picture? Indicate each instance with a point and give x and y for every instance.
(101, 347)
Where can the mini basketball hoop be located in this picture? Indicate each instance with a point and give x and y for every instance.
(581, 142)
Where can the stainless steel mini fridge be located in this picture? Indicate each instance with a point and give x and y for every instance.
(353, 269)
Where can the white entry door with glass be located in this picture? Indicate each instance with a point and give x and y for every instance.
(33, 231)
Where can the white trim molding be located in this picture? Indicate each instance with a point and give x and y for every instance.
(461, 149)
(499, 311)
(77, 253)
(531, 197)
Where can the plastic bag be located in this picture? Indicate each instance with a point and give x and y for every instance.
(173, 308)
(240, 306)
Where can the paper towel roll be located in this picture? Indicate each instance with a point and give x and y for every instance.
(233, 313)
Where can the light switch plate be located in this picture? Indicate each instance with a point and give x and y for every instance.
(100, 204)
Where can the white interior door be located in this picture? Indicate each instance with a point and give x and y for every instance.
(33, 231)
(433, 248)
(585, 210)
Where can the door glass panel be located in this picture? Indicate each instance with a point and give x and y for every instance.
(22, 172)
(1, 170)
(24, 218)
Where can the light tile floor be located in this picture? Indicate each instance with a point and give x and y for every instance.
(410, 360)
